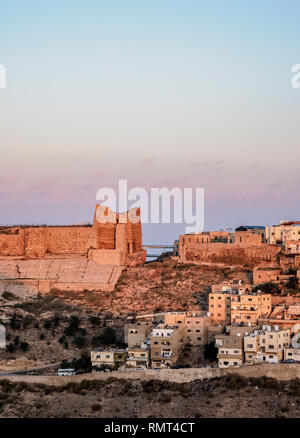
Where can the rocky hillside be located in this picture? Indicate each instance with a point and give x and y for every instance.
(227, 397)
(158, 286)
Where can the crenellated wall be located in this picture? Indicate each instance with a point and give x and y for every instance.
(76, 241)
(247, 249)
(71, 257)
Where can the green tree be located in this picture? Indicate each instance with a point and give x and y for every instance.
(210, 351)
(108, 336)
(74, 323)
(80, 341)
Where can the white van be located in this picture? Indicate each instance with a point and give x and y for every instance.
(66, 372)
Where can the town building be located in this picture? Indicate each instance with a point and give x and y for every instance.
(230, 350)
(249, 308)
(219, 305)
(137, 332)
(285, 316)
(266, 345)
(138, 357)
(111, 358)
(166, 344)
(286, 231)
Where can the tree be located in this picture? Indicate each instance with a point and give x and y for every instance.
(65, 364)
(73, 326)
(79, 341)
(24, 346)
(210, 351)
(94, 320)
(267, 288)
(292, 283)
(11, 348)
(108, 336)
(15, 322)
(27, 320)
(47, 324)
(16, 340)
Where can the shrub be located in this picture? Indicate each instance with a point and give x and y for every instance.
(8, 296)
(10, 348)
(210, 351)
(73, 326)
(108, 336)
(80, 341)
(27, 320)
(96, 407)
(24, 346)
(15, 322)
(268, 288)
(47, 324)
(94, 320)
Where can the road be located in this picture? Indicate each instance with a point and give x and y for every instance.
(25, 371)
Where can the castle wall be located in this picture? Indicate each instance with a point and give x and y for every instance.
(227, 253)
(114, 242)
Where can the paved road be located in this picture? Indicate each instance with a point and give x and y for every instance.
(25, 371)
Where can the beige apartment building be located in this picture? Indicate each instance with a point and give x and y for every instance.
(266, 345)
(292, 353)
(230, 350)
(198, 328)
(138, 358)
(167, 341)
(111, 358)
(284, 232)
(136, 333)
(219, 305)
(248, 309)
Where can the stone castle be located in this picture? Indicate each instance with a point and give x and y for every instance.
(247, 246)
(75, 257)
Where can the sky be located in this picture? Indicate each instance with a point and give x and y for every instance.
(163, 93)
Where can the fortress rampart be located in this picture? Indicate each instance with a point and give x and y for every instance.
(72, 257)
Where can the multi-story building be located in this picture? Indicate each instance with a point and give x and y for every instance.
(138, 357)
(166, 343)
(266, 345)
(230, 350)
(136, 333)
(293, 352)
(230, 287)
(111, 358)
(249, 308)
(283, 233)
(285, 316)
(219, 305)
(197, 327)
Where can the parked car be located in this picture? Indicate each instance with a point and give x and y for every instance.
(66, 372)
(289, 361)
